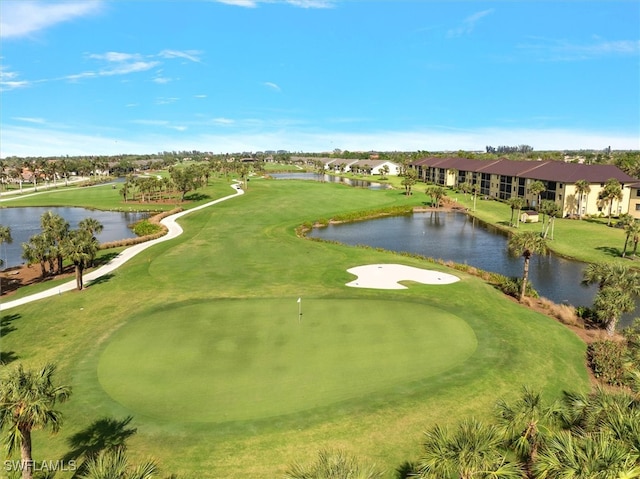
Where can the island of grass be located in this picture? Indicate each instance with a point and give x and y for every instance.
(200, 340)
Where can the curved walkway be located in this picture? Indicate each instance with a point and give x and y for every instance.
(174, 230)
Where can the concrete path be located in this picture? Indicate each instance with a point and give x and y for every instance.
(174, 231)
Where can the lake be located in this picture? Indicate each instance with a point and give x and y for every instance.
(457, 237)
(25, 222)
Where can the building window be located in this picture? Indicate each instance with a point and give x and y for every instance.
(637, 206)
(638, 192)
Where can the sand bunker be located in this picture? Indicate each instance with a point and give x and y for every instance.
(386, 276)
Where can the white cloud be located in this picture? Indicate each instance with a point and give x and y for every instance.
(115, 56)
(161, 80)
(191, 55)
(200, 96)
(38, 121)
(295, 3)
(9, 81)
(545, 49)
(239, 3)
(273, 86)
(21, 18)
(468, 24)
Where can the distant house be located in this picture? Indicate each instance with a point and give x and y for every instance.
(375, 167)
(503, 179)
(529, 216)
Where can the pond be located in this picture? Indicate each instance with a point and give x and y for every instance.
(356, 183)
(25, 222)
(456, 237)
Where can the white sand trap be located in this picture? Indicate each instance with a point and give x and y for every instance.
(387, 276)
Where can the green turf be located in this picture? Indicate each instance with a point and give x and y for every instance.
(245, 251)
(250, 359)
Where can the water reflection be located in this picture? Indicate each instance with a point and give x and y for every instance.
(25, 222)
(356, 183)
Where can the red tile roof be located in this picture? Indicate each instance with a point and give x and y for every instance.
(537, 170)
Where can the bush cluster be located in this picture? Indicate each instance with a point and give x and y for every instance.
(153, 224)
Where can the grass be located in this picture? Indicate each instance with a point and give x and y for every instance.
(589, 240)
(232, 276)
(253, 359)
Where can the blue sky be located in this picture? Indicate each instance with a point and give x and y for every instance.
(109, 77)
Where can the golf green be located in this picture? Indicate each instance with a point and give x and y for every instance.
(235, 360)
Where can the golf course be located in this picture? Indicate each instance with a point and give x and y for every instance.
(238, 347)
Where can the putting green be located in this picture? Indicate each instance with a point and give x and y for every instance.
(232, 360)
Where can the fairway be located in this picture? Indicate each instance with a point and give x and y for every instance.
(239, 360)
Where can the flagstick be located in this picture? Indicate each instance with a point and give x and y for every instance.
(299, 310)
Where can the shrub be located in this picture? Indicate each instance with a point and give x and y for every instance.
(607, 361)
(145, 227)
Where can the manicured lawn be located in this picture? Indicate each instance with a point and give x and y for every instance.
(589, 240)
(253, 359)
(233, 387)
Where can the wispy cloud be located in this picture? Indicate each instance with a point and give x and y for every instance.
(200, 96)
(468, 24)
(544, 49)
(166, 101)
(26, 119)
(191, 55)
(9, 80)
(272, 86)
(295, 3)
(22, 18)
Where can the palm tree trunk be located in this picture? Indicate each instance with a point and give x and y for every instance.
(79, 284)
(626, 241)
(525, 276)
(26, 461)
(611, 326)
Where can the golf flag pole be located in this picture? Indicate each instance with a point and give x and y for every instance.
(299, 309)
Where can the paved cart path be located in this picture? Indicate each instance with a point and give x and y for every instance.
(174, 230)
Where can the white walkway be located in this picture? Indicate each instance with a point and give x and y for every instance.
(174, 231)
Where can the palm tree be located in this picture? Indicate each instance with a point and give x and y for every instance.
(55, 228)
(617, 286)
(80, 248)
(5, 237)
(567, 456)
(631, 228)
(582, 189)
(520, 423)
(536, 188)
(27, 402)
(333, 465)
(526, 244)
(473, 450)
(516, 203)
(552, 210)
(610, 303)
(37, 250)
(612, 191)
(410, 178)
(114, 464)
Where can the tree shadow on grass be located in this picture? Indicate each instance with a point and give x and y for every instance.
(5, 324)
(105, 434)
(104, 259)
(102, 279)
(610, 251)
(7, 357)
(196, 197)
